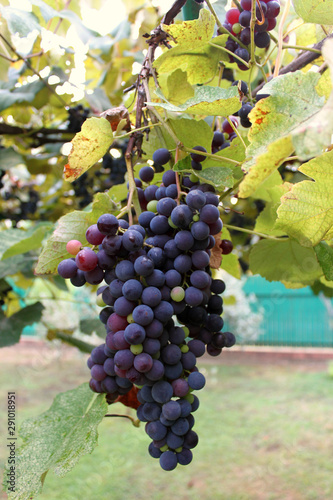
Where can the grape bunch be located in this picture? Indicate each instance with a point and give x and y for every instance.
(162, 308)
(77, 115)
(237, 22)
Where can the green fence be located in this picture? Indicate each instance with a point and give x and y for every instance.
(292, 317)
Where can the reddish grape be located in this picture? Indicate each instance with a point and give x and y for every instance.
(86, 259)
(246, 4)
(226, 247)
(94, 236)
(227, 128)
(232, 16)
(73, 247)
(271, 24)
(273, 9)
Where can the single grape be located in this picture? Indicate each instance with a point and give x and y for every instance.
(73, 247)
(232, 16)
(245, 18)
(86, 259)
(108, 224)
(93, 235)
(226, 127)
(168, 459)
(68, 268)
(146, 174)
(161, 156)
(262, 40)
(198, 157)
(226, 247)
(196, 380)
(132, 240)
(273, 9)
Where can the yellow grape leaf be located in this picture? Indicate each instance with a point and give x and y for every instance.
(192, 52)
(306, 211)
(191, 34)
(265, 222)
(265, 165)
(311, 137)
(88, 146)
(179, 90)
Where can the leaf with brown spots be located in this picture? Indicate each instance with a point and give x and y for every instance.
(88, 146)
(293, 99)
(193, 53)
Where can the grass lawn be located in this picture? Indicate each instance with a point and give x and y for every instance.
(265, 433)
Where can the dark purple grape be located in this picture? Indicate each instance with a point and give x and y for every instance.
(86, 259)
(262, 40)
(161, 156)
(198, 157)
(68, 268)
(108, 224)
(146, 174)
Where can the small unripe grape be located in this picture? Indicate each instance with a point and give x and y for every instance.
(177, 294)
(73, 247)
(236, 28)
(151, 206)
(136, 349)
(99, 301)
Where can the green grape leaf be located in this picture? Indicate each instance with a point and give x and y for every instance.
(118, 192)
(88, 146)
(306, 211)
(189, 132)
(11, 328)
(178, 88)
(192, 133)
(183, 165)
(47, 12)
(207, 100)
(265, 221)
(20, 21)
(286, 261)
(57, 439)
(230, 262)
(10, 158)
(314, 11)
(71, 226)
(325, 258)
(25, 93)
(13, 265)
(193, 52)
(17, 241)
(88, 326)
(311, 137)
(219, 177)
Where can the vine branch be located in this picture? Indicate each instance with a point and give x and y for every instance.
(300, 62)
